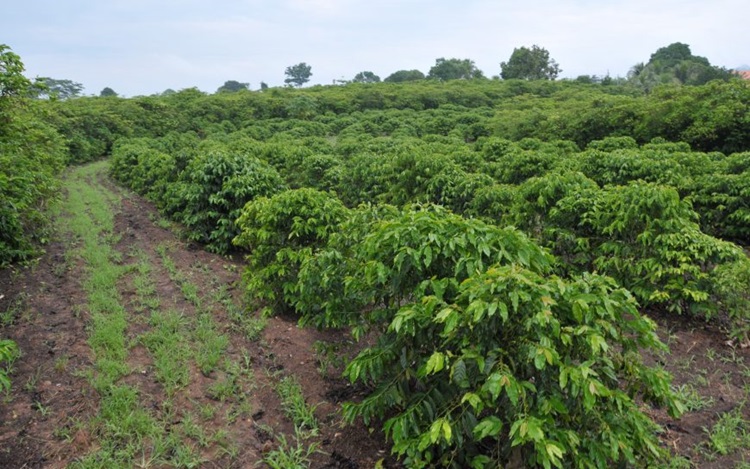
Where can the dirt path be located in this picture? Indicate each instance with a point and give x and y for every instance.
(207, 379)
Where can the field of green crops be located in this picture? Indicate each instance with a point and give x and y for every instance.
(501, 245)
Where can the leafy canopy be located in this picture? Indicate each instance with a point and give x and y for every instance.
(454, 69)
(298, 75)
(676, 64)
(107, 92)
(404, 75)
(366, 77)
(483, 356)
(232, 86)
(59, 89)
(530, 64)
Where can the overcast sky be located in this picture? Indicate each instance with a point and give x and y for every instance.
(141, 47)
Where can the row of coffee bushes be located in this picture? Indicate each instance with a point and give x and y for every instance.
(712, 117)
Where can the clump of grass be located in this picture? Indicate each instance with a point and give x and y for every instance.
(730, 433)
(691, 398)
(210, 345)
(166, 343)
(14, 310)
(294, 405)
(291, 455)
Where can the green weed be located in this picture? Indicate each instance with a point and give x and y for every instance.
(210, 345)
(14, 310)
(291, 455)
(730, 433)
(691, 398)
(166, 343)
(294, 405)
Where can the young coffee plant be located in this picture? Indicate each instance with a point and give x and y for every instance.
(642, 235)
(381, 255)
(485, 358)
(280, 232)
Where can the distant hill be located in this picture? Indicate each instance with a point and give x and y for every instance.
(743, 68)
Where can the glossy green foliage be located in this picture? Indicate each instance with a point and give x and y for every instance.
(720, 195)
(647, 238)
(280, 232)
(143, 168)
(411, 218)
(213, 189)
(31, 156)
(390, 254)
(519, 366)
(537, 209)
(642, 235)
(482, 356)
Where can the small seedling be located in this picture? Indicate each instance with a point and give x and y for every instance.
(730, 433)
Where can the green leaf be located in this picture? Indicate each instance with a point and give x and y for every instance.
(435, 363)
(563, 377)
(474, 400)
(435, 430)
(447, 431)
(480, 462)
(427, 253)
(555, 453)
(489, 426)
(598, 343)
(494, 384)
(441, 428)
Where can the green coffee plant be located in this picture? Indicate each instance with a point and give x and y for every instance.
(456, 189)
(648, 239)
(721, 199)
(125, 158)
(623, 166)
(493, 202)
(729, 289)
(142, 165)
(382, 255)
(483, 357)
(520, 366)
(31, 156)
(214, 188)
(537, 210)
(322, 172)
(280, 232)
(642, 235)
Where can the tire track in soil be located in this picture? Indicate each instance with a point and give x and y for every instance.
(50, 330)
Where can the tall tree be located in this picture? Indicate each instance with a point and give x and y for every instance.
(298, 75)
(530, 64)
(60, 89)
(676, 64)
(232, 86)
(454, 69)
(366, 77)
(107, 92)
(404, 75)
